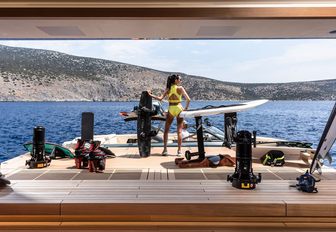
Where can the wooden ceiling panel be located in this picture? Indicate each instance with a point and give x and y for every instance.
(188, 19)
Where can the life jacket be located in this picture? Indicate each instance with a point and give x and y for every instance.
(173, 94)
(273, 158)
(79, 148)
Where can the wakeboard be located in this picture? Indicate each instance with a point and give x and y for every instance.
(87, 126)
(144, 123)
(326, 142)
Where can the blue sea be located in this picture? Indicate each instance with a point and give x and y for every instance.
(291, 120)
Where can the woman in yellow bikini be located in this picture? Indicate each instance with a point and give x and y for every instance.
(174, 91)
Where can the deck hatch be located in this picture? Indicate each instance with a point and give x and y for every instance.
(24, 176)
(56, 176)
(126, 175)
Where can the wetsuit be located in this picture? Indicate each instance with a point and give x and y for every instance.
(174, 99)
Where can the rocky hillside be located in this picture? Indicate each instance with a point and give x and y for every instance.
(41, 75)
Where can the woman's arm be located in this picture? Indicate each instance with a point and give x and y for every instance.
(158, 98)
(186, 96)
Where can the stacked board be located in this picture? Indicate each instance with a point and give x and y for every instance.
(144, 124)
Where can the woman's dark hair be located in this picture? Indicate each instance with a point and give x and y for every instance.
(171, 80)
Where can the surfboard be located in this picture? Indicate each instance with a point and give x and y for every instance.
(144, 123)
(214, 110)
(326, 142)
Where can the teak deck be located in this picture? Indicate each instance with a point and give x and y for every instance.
(151, 194)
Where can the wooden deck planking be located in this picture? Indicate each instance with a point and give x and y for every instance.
(164, 189)
(157, 196)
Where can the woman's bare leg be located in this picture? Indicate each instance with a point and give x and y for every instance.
(168, 123)
(179, 133)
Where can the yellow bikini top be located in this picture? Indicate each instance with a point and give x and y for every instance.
(173, 95)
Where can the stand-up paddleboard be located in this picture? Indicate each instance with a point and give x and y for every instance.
(3, 181)
(144, 123)
(213, 110)
(327, 140)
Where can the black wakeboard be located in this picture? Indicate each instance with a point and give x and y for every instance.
(87, 126)
(144, 123)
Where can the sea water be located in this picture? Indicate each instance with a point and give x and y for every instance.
(290, 120)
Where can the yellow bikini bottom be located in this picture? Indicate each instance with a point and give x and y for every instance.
(175, 110)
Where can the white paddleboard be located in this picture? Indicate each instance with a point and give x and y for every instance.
(213, 110)
(326, 142)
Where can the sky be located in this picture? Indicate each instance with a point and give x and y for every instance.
(244, 61)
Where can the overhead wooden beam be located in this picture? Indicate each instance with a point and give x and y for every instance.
(262, 9)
